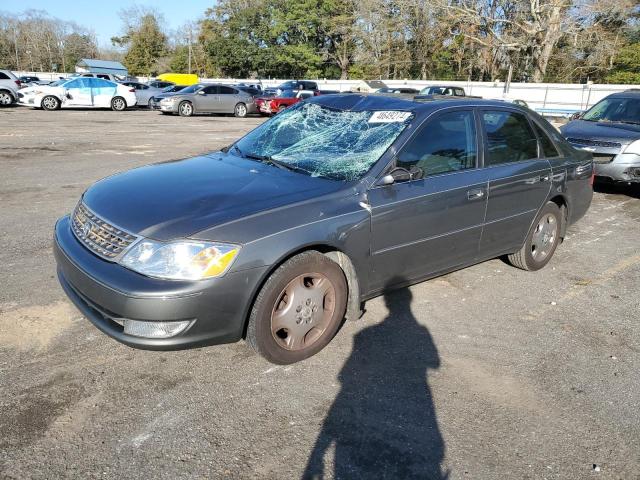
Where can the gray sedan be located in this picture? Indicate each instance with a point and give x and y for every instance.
(333, 201)
(209, 98)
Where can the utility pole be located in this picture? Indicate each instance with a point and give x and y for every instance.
(190, 30)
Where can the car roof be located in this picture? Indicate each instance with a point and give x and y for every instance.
(358, 102)
(631, 93)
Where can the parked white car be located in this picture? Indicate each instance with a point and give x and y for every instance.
(78, 92)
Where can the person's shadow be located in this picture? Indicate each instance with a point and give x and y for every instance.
(383, 422)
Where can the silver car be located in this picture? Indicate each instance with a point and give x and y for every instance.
(209, 98)
(144, 93)
(9, 86)
(610, 130)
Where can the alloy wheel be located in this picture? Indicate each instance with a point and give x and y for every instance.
(186, 109)
(5, 98)
(50, 103)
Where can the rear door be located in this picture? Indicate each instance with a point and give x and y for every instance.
(103, 92)
(519, 179)
(430, 224)
(227, 99)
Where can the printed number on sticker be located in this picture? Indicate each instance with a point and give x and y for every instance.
(389, 117)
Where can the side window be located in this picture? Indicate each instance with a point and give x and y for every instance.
(227, 90)
(459, 92)
(100, 83)
(510, 138)
(549, 149)
(105, 77)
(74, 84)
(4, 76)
(445, 144)
(213, 89)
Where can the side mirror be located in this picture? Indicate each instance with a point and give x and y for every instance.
(576, 116)
(398, 174)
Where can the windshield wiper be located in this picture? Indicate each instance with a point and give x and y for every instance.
(276, 163)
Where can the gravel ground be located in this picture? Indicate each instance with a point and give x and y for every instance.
(487, 373)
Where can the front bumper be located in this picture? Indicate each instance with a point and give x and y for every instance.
(168, 107)
(107, 293)
(624, 167)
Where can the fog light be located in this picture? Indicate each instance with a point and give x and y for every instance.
(154, 329)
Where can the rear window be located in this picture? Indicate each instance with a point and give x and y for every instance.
(510, 138)
(549, 149)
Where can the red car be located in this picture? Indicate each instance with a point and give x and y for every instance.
(273, 105)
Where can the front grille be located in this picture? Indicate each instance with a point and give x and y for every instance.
(100, 237)
(594, 143)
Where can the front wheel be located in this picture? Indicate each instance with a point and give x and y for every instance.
(50, 103)
(542, 240)
(299, 309)
(118, 104)
(185, 109)
(240, 110)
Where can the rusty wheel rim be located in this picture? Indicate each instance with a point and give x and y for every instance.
(303, 311)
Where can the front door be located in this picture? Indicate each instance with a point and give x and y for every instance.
(430, 224)
(206, 100)
(519, 180)
(78, 93)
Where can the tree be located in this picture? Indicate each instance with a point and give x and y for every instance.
(144, 40)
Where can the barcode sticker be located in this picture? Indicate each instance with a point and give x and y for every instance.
(389, 117)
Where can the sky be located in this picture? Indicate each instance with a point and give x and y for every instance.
(102, 17)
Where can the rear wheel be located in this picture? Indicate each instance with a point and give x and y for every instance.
(299, 309)
(542, 240)
(185, 109)
(240, 110)
(50, 103)
(118, 104)
(5, 98)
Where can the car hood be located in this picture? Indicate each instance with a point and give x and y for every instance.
(623, 133)
(180, 198)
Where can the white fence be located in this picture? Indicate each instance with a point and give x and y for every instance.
(548, 98)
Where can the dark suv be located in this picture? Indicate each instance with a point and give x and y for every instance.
(337, 199)
(610, 130)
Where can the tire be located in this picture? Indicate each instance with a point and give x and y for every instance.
(118, 104)
(282, 108)
(542, 240)
(6, 98)
(50, 103)
(185, 109)
(299, 309)
(240, 110)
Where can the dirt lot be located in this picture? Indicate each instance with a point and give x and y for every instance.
(486, 373)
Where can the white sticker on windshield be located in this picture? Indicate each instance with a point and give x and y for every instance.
(389, 117)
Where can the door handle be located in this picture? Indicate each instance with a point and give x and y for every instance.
(475, 194)
(545, 177)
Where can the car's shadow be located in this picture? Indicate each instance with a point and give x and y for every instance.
(632, 190)
(383, 422)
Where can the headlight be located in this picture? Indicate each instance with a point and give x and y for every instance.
(180, 260)
(633, 148)
(167, 100)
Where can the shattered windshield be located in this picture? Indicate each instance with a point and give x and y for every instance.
(323, 142)
(624, 110)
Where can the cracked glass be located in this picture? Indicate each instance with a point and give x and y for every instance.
(324, 142)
